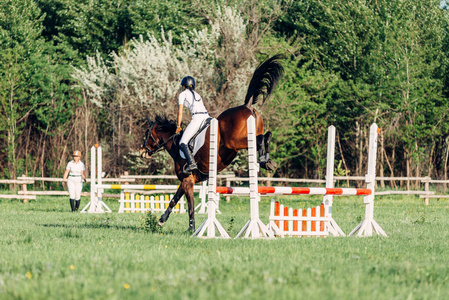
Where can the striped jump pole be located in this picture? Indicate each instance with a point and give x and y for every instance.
(141, 186)
(282, 190)
(213, 197)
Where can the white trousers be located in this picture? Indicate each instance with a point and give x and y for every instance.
(75, 186)
(193, 127)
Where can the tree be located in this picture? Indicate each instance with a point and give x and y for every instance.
(20, 29)
(388, 60)
(87, 25)
(144, 77)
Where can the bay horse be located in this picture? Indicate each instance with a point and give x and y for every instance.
(232, 136)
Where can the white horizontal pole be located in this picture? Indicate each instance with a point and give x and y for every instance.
(141, 187)
(273, 190)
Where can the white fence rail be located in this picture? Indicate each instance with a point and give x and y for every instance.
(227, 180)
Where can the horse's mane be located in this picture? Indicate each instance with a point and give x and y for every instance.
(264, 80)
(164, 124)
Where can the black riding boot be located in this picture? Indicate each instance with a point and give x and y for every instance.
(72, 204)
(190, 160)
(77, 204)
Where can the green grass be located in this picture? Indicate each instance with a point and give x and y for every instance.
(47, 252)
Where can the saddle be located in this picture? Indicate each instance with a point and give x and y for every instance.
(197, 141)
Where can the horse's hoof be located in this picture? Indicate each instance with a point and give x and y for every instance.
(271, 165)
(160, 224)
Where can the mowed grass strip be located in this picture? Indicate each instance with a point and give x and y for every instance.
(48, 252)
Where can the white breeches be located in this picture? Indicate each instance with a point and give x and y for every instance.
(193, 127)
(75, 186)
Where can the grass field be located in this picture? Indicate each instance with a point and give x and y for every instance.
(47, 252)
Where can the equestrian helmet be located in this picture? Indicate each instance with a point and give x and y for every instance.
(188, 82)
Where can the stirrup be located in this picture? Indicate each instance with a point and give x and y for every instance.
(189, 168)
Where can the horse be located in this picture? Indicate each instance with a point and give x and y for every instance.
(232, 137)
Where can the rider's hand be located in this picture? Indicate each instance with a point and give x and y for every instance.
(63, 184)
(178, 129)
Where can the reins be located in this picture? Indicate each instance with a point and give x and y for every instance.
(159, 147)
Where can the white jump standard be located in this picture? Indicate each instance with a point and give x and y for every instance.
(366, 227)
(96, 204)
(212, 196)
(254, 228)
(331, 226)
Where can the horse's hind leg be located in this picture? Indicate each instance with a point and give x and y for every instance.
(260, 142)
(172, 204)
(265, 161)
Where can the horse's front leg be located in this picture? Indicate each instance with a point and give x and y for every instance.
(179, 193)
(188, 187)
(191, 205)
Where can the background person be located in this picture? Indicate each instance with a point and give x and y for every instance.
(193, 101)
(74, 175)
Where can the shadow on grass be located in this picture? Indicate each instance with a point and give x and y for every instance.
(92, 226)
(103, 226)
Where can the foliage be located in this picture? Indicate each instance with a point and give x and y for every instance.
(146, 74)
(87, 25)
(340, 171)
(150, 223)
(385, 63)
(176, 16)
(20, 44)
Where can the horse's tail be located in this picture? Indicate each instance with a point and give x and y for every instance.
(265, 79)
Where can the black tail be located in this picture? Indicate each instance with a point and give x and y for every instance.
(265, 79)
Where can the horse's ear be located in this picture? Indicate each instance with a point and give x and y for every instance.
(149, 121)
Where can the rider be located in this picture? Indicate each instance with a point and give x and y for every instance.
(193, 101)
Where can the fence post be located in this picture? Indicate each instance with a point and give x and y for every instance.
(126, 173)
(426, 189)
(24, 189)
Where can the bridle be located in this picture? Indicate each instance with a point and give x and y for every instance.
(159, 147)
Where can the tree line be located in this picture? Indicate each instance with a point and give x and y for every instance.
(74, 73)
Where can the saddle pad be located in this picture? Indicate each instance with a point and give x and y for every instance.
(199, 141)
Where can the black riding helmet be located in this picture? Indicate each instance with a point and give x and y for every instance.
(188, 82)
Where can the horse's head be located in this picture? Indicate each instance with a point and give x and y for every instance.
(158, 134)
(150, 142)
